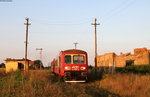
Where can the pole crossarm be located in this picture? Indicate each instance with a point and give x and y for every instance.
(75, 44)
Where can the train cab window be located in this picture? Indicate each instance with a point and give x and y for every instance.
(68, 59)
(78, 59)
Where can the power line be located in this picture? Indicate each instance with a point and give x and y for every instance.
(115, 8)
(61, 24)
(124, 5)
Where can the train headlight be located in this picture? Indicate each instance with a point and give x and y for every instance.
(82, 68)
(67, 68)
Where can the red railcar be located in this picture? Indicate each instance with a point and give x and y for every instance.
(72, 65)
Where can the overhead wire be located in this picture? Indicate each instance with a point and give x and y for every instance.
(107, 16)
(62, 24)
(115, 8)
(118, 10)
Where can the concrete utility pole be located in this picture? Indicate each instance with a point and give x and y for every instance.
(75, 44)
(26, 44)
(40, 49)
(95, 33)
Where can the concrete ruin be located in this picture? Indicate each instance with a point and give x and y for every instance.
(17, 64)
(141, 56)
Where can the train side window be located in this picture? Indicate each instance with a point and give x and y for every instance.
(78, 59)
(68, 59)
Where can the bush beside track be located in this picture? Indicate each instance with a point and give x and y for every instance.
(142, 69)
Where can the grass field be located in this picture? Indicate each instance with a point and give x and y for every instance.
(42, 83)
(2, 70)
(127, 85)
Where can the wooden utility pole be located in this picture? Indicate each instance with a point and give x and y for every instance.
(40, 49)
(26, 44)
(75, 44)
(95, 37)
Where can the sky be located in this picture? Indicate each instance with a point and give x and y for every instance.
(57, 24)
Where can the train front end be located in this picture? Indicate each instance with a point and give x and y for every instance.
(75, 65)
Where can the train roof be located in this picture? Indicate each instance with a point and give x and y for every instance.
(74, 51)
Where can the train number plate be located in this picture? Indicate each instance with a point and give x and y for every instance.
(75, 67)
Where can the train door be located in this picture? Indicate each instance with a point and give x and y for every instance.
(59, 64)
(53, 67)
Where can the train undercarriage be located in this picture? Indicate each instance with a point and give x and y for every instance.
(75, 76)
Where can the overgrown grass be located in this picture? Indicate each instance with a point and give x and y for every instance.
(42, 83)
(2, 72)
(10, 82)
(127, 85)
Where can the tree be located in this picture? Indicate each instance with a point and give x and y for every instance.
(2, 65)
(90, 67)
(37, 64)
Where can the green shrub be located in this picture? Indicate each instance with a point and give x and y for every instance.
(94, 75)
(141, 69)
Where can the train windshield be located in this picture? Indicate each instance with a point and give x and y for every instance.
(78, 59)
(68, 59)
(75, 59)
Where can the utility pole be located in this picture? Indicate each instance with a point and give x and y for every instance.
(95, 37)
(75, 44)
(26, 44)
(40, 49)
